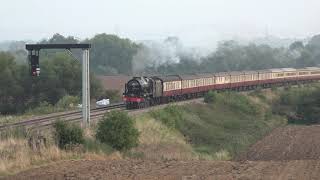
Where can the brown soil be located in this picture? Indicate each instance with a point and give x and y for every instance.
(145, 170)
(291, 152)
(287, 143)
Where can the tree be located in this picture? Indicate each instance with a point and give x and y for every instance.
(309, 107)
(11, 91)
(111, 54)
(60, 76)
(117, 129)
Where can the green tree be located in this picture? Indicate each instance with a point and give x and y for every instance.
(11, 91)
(309, 107)
(117, 129)
(111, 54)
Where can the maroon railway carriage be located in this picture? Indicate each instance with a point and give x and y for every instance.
(145, 91)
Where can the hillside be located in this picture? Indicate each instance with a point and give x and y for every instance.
(194, 140)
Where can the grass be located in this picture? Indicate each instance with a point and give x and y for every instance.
(16, 154)
(157, 141)
(221, 129)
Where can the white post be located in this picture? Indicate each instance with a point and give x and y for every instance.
(85, 89)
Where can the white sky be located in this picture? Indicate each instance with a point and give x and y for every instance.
(193, 21)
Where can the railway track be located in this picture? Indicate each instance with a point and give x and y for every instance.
(71, 116)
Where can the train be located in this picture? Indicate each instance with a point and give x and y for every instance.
(143, 91)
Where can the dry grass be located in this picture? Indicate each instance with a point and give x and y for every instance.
(157, 141)
(15, 155)
(4, 119)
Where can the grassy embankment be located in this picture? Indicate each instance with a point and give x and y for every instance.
(219, 130)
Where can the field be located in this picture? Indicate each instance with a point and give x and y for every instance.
(114, 82)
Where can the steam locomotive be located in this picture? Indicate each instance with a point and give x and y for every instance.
(144, 91)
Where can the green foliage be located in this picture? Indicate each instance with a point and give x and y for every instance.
(111, 54)
(67, 102)
(117, 129)
(232, 56)
(11, 91)
(60, 76)
(308, 108)
(210, 97)
(235, 101)
(91, 145)
(66, 134)
(43, 108)
(171, 116)
(301, 105)
(220, 128)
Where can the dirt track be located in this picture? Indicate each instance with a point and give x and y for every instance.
(287, 153)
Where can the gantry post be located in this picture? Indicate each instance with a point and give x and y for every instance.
(85, 88)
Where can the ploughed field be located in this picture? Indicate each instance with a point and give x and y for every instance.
(291, 152)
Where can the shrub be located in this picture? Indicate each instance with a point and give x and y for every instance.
(210, 97)
(43, 108)
(117, 129)
(67, 102)
(66, 134)
(171, 116)
(91, 145)
(309, 108)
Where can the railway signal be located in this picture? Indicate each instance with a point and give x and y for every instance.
(34, 63)
(33, 58)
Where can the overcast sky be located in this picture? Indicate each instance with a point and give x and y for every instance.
(194, 21)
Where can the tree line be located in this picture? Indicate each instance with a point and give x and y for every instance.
(111, 55)
(232, 56)
(60, 76)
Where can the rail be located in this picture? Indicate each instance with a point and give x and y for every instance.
(48, 120)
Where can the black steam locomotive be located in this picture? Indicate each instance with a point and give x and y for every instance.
(142, 92)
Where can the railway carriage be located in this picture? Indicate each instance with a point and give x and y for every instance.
(171, 85)
(189, 84)
(144, 91)
(314, 73)
(237, 79)
(222, 80)
(251, 78)
(289, 74)
(277, 75)
(265, 77)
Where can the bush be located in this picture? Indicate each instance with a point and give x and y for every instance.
(66, 134)
(235, 101)
(171, 116)
(117, 129)
(43, 108)
(210, 97)
(67, 102)
(309, 108)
